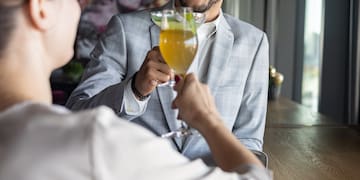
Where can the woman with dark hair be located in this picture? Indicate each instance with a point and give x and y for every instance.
(42, 141)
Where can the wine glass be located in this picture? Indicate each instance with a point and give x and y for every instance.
(175, 16)
(178, 46)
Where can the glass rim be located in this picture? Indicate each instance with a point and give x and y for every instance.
(199, 17)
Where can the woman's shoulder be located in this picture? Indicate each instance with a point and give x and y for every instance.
(42, 117)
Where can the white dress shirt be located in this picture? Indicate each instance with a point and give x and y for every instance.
(49, 142)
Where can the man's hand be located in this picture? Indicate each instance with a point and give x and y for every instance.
(195, 102)
(152, 72)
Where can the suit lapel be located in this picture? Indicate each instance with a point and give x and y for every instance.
(166, 97)
(219, 58)
(220, 54)
(154, 35)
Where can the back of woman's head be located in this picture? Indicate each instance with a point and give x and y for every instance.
(50, 26)
(8, 12)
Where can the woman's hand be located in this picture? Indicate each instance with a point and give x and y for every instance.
(195, 103)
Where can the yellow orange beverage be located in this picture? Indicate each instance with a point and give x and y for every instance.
(178, 48)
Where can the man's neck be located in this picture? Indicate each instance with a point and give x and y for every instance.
(213, 12)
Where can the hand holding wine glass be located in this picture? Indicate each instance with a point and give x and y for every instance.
(194, 110)
(152, 72)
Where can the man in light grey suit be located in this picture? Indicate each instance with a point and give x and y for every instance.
(126, 68)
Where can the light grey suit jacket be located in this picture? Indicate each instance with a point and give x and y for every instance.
(237, 77)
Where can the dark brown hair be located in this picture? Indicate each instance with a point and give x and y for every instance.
(8, 10)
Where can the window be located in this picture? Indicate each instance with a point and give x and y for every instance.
(312, 53)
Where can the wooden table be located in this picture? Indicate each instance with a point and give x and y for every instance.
(305, 145)
(286, 113)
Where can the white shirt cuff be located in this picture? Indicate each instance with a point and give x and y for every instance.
(133, 106)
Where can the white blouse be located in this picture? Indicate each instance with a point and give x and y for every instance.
(40, 142)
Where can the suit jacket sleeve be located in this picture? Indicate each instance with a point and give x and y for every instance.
(106, 75)
(250, 123)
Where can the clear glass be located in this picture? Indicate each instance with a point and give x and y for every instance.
(312, 53)
(178, 39)
(178, 45)
(172, 17)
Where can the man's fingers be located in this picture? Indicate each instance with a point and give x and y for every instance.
(155, 61)
(156, 48)
(160, 76)
(154, 68)
(155, 55)
(164, 68)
